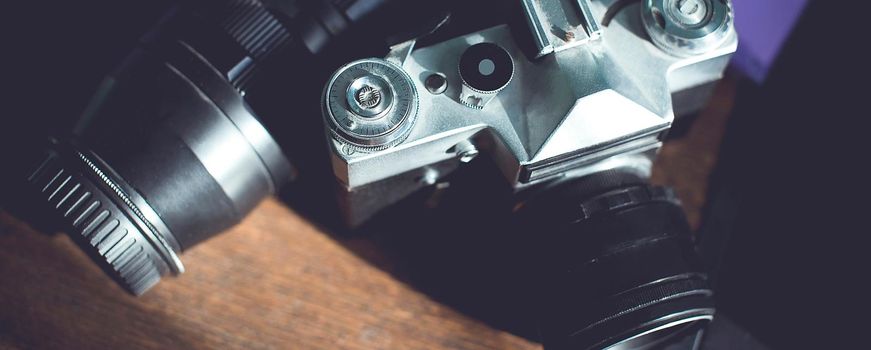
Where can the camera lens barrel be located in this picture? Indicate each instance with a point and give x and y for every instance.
(168, 153)
(618, 267)
(105, 216)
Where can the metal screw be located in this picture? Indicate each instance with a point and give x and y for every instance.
(691, 12)
(368, 97)
(429, 177)
(466, 151)
(468, 156)
(688, 7)
(347, 149)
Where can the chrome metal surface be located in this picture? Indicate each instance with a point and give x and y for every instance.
(582, 109)
(466, 151)
(688, 27)
(400, 52)
(369, 96)
(690, 12)
(560, 24)
(157, 233)
(652, 338)
(370, 105)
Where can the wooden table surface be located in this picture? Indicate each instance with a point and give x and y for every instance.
(274, 281)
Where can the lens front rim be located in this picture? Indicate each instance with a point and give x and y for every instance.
(618, 268)
(679, 324)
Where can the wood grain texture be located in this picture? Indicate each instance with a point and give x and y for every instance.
(274, 281)
(686, 163)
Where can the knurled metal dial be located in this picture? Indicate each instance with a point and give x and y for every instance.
(687, 27)
(485, 69)
(370, 104)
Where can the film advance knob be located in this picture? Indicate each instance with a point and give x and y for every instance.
(370, 105)
(485, 69)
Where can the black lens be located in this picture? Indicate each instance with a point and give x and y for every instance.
(169, 152)
(618, 268)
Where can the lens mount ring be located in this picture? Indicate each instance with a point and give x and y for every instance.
(660, 330)
(624, 198)
(663, 299)
(571, 212)
(114, 225)
(154, 234)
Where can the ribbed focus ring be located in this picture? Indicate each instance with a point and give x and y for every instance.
(618, 265)
(648, 296)
(257, 31)
(90, 214)
(253, 27)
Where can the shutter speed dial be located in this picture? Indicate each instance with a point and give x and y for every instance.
(370, 104)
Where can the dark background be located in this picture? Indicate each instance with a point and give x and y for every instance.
(786, 229)
(55, 53)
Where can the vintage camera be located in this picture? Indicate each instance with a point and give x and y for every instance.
(571, 101)
(573, 114)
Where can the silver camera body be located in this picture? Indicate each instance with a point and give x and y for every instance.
(597, 97)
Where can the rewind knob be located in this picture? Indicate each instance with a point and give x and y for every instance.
(485, 69)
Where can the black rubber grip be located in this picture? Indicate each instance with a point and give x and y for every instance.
(242, 25)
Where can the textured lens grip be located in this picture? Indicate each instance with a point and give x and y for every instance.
(81, 198)
(617, 264)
